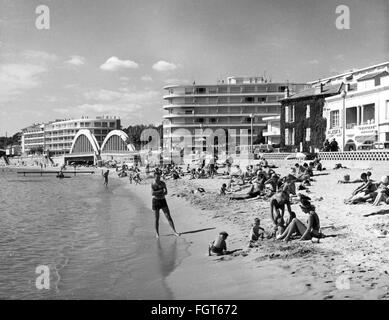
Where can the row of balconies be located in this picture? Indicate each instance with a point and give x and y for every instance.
(193, 95)
(205, 125)
(217, 115)
(221, 105)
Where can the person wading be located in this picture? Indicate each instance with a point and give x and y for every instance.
(159, 191)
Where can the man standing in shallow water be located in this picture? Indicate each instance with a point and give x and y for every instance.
(158, 191)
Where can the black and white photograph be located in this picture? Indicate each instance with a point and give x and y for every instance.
(194, 150)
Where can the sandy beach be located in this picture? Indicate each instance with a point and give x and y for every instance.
(352, 264)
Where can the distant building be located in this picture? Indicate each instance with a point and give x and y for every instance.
(302, 124)
(273, 133)
(56, 137)
(240, 103)
(359, 117)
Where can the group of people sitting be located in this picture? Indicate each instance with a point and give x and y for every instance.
(369, 190)
(284, 229)
(264, 183)
(133, 173)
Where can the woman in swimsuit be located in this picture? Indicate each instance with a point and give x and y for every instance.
(158, 191)
(312, 230)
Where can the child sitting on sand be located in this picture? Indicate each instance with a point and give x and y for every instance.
(223, 189)
(257, 232)
(219, 245)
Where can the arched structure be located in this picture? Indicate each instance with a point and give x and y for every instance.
(116, 142)
(85, 143)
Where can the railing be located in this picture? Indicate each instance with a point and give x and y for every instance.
(350, 125)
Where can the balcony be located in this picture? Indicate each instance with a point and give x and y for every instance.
(216, 115)
(271, 133)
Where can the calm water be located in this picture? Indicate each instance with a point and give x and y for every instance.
(98, 243)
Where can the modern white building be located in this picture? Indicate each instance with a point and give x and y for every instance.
(358, 118)
(56, 137)
(273, 133)
(240, 103)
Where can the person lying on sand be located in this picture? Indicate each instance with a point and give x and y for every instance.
(312, 230)
(364, 192)
(255, 191)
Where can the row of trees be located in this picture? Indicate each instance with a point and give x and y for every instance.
(134, 133)
(13, 140)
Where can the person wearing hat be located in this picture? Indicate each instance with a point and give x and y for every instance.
(219, 245)
(312, 230)
(158, 191)
(382, 191)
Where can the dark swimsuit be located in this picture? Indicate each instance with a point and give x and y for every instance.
(158, 203)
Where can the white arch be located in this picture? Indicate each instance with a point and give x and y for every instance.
(92, 139)
(122, 135)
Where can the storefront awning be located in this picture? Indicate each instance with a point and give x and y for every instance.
(361, 139)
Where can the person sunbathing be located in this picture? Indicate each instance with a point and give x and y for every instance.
(312, 230)
(364, 192)
(382, 191)
(255, 191)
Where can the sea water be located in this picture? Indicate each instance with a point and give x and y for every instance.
(97, 242)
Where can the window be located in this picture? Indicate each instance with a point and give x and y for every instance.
(212, 120)
(200, 90)
(386, 136)
(249, 99)
(286, 114)
(292, 115)
(105, 125)
(112, 124)
(97, 124)
(292, 137)
(387, 110)
(334, 119)
(308, 134)
(287, 142)
(308, 111)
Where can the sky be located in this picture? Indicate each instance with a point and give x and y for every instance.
(113, 57)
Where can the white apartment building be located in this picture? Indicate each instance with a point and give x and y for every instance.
(239, 103)
(56, 137)
(358, 118)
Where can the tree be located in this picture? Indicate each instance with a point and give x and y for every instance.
(134, 133)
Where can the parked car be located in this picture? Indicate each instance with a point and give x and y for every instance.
(381, 145)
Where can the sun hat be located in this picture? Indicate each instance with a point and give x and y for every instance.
(223, 233)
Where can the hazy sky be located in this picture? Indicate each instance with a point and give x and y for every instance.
(114, 56)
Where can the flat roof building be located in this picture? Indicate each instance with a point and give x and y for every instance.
(240, 103)
(56, 136)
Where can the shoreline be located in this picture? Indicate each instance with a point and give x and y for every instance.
(351, 265)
